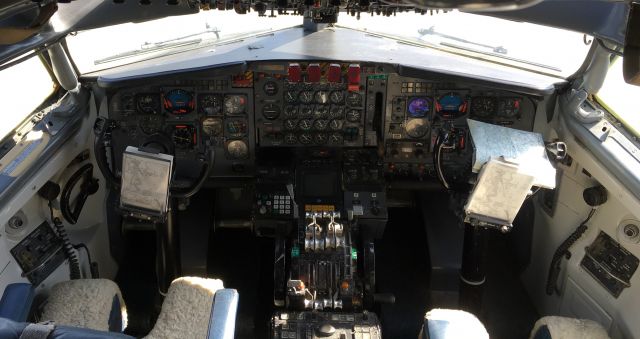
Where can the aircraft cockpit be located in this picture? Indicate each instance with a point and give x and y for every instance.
(319, 169)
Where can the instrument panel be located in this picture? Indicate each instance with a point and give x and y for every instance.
(419, 110)
(190, 118)
(312, 104)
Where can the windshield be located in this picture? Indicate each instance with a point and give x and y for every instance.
(616, 95)
(26, 85)
(539, 48)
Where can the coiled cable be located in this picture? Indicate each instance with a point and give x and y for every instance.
(67, 247)
(563, 251)
(440, 144)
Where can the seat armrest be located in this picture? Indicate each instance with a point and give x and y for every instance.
(222, 323)
(16, 301)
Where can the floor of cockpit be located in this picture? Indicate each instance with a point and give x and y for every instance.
(402, 268)
(137, 281)
(245, 263)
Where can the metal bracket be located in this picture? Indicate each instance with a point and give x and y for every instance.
(576, 104)
(557, 150)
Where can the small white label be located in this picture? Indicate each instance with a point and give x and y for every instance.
(356, 194)
(373, 195)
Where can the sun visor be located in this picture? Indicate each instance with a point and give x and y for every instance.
(24, 21)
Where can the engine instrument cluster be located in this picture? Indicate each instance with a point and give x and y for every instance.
(309, 104)
(319, 104)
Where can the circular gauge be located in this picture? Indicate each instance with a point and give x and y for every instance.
(271, 111)
(237, 149)
(418, 107)
(483, 106)
(336, 112)
(509, 107)
(417, 128)
(306, 111)
(127, 104)
(305, 138)
(148, 103)
(178, 102)
(320, 138)
(305, 124)
(290, 139)
(320, 124)
(306, 97)
(336, 139)
(337, 97)
(210, 104)
(354, 115)
(150, 124)
(451, 106)
(354, 99)
(291, 111)
(183, 136)
(235, 128)
(235, 104)
(320, 112)
(335, 125)
(290, 97)
(290, 125)
(322, 97)
(270, 88)
(212, 127)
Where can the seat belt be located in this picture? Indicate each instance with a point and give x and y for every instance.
(38, 331)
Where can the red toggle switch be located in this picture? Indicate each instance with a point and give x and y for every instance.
(353, 75)
(335, 73)
(462, 142)
(295, 73)
(313, 73)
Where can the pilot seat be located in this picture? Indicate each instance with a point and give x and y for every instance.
(93, 308)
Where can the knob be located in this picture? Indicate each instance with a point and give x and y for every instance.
(375, 208)
(262, 210)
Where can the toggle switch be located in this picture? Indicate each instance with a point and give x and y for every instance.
(335, 73)
(314, 73)
(295, 73)
(353, 76)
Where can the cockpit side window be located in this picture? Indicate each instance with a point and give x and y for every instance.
(23, 87)
(620, 98)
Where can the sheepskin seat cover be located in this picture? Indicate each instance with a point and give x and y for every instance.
(84, 303)
(186, 310)
(570, 328)
(453, 324)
